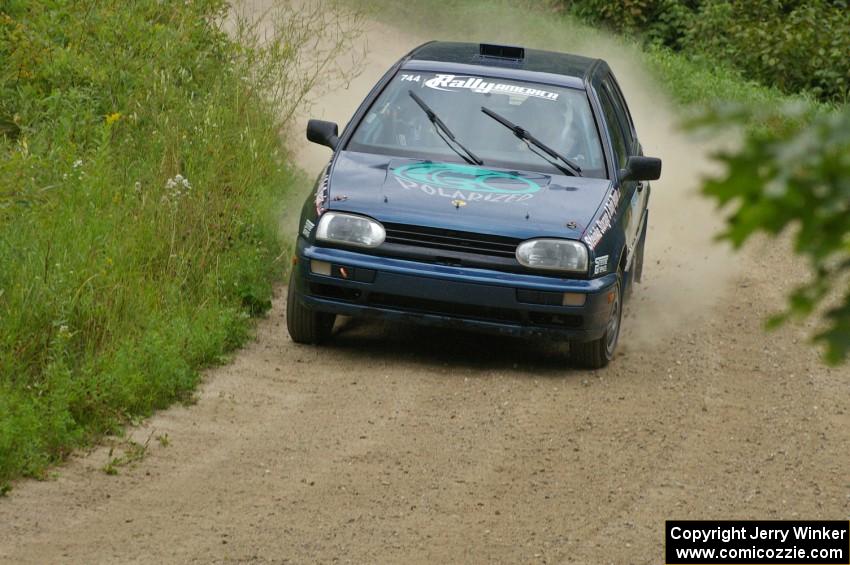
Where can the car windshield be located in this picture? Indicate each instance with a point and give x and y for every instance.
(559, 117)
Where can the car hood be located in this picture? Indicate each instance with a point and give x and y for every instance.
(469, 198)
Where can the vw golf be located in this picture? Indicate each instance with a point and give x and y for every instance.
(479, 186)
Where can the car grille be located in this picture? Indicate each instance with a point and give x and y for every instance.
(451, 240)
(472, 311)
(453, 309)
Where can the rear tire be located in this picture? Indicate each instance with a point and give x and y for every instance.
(599, 352)
(306, 325)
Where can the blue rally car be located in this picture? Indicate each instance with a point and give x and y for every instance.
(479, 186)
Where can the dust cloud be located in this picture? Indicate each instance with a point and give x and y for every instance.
(685, 270)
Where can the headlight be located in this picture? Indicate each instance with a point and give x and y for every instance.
(553, 255)
(350, 229)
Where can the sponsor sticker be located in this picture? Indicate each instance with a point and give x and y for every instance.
(308, 227)
(600, 265)
(605, 221)
(322, 191)
(478, 85)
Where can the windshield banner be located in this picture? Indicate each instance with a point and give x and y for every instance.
(480, 86)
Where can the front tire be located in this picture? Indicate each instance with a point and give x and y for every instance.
(599, 352)
(304, 324)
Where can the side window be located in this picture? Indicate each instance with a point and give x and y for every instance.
(622, 113)
(618, 140)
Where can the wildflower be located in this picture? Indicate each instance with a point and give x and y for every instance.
(138, 187)
(112, 118)
(178, 185)
(77, 164)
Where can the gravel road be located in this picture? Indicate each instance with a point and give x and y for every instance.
(400, 444)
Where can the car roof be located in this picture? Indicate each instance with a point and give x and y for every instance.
(571, 69)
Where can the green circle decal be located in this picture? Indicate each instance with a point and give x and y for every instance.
(466, 177)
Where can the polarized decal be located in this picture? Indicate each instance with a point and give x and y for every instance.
(467, 182)
(452, 82)
(605, 221)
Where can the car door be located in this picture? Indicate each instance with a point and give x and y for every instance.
(625, 144)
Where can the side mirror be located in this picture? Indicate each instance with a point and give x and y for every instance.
(323, 133)
(641, 168)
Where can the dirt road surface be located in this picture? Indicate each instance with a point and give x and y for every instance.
(398, 444)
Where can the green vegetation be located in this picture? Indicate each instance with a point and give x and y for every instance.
(133, 452)
(794, 45)
(141, 181)
(695, 83)
(138, 184)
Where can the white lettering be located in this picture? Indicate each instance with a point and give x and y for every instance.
(479, 86)
(405, 184)
(439, 82)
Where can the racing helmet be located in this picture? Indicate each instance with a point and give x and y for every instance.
(559, 123)
(551, 121)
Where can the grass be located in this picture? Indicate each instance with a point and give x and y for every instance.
(133, 452)
(139, 189)
(142, 178)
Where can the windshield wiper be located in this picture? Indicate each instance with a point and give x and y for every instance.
(568, 166)
(442, 129)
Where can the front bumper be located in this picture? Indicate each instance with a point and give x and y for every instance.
(462, 297)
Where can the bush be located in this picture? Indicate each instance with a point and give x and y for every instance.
(141, 182)
(662, 21)
(793, 45)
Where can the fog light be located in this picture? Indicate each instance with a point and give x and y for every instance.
(573, 299)
(320, 268)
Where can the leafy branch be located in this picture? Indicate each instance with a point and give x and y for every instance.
(796, 176)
